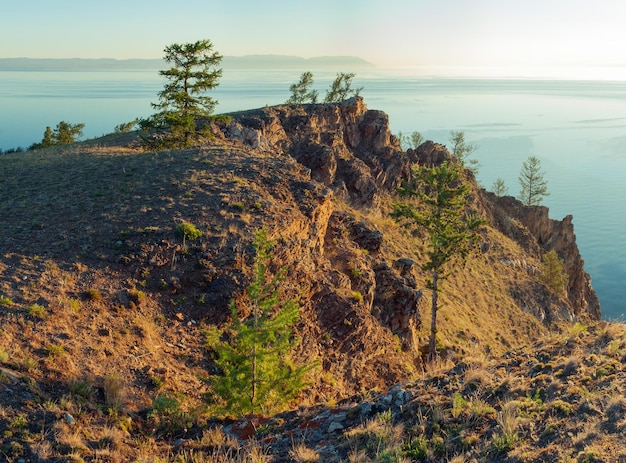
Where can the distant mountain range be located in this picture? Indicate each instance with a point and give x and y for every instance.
(346, 63)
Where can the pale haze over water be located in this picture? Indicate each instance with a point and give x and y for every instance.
(577, 128)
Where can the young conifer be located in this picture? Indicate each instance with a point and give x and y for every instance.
(442, 211)
(183, 102)
(301, 92)
(552, 274)
(533, 184)
(257, 373)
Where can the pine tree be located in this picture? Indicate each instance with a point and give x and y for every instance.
(461, 150)
(63, 134)
(410, 141)
(499, 188)
(253, 354)
(66, 133)
(183, 101)
(533, 185)
(48, 138)
(341, 88)
(441, 211)
(301, 93)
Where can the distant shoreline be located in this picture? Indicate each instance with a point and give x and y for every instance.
(346, 63)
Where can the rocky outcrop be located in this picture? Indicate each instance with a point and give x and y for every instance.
(350, 150)
(538, 233)
(346, 146)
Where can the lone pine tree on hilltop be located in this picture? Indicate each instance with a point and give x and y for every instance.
(183, 100)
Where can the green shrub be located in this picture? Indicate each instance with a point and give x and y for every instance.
(502, 443)
(187, 231)
(55, 350)
(417, 448)
(458, 404)
(552, 273)
(561, 407)
(37, 311)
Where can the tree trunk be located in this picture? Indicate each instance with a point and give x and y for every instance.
(432, 348)
(255, 310)
(253, 379)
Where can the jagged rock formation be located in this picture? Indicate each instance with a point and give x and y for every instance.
(351, 150)
(537, 232)
(346, 146)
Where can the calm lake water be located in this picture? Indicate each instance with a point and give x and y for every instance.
(576, 128)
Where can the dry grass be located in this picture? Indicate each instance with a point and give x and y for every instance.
(114, 390)
(300, 453)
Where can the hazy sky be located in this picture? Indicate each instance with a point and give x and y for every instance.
(386, 32)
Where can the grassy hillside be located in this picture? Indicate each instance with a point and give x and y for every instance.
(102, 311)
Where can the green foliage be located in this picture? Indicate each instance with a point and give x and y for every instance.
(55, 350)
(301, 92)
(81, 389)
(508, 423)
(461, 150)
(37, 311)
(453, 233)
(4, 356)
(499, 188)
(410, 141)
(64, 134)
(341, 88)
(5, 301)
(183, 103)
(502, 443)
(164, 405)
(417, 448)
(458, 404)
(253, 354)
(533, 185)
(552, 274)
(560, 407)
(167, 417)
(187, 231)
(125, 127)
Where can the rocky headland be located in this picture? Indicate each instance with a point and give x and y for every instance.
(95, 284)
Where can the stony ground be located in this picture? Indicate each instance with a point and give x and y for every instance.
(561, 400)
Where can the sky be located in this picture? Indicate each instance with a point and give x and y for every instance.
(504, 34)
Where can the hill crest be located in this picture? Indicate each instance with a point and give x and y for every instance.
(99, 284)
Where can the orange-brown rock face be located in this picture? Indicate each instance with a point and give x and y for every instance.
(362, 299)
(540, 233)
(351, 150)
(346, 146)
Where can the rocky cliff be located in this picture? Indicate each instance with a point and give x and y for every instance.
(351, 150)
(537, 232)
(346, 147)
(104, 265)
